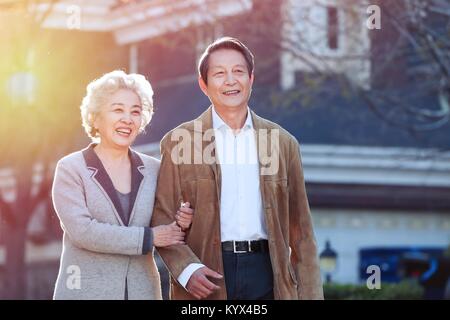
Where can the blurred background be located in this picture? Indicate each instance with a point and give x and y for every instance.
(363, 85)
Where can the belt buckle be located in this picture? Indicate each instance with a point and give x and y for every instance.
(238, 251)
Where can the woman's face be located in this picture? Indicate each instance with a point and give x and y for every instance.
(119, 120)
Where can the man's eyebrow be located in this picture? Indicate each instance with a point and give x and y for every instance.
(222, 67)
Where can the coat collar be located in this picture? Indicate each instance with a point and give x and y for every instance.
(102, 178)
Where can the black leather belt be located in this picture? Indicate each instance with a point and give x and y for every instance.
(246, 246)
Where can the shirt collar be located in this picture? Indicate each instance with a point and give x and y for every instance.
(218, 123)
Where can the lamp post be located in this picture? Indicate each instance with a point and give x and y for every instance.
(328, 261)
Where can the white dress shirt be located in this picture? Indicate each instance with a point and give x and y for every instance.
(241, 211)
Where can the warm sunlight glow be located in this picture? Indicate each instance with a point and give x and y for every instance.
(21, 87)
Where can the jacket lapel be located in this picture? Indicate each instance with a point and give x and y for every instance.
(263, 138)
(104, 182)
(206, 120)
(137, 167)
(261, 145)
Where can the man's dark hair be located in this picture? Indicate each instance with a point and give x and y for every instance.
(225, 43)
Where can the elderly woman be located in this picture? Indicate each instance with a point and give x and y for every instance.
(104, 197)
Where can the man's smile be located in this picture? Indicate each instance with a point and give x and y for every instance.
(231, 92)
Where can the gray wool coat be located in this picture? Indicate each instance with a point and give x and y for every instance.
(102, 249)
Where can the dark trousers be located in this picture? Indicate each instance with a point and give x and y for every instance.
(248, 276)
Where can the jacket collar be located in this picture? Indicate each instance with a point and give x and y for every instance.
(102, 178)
(219, 124)
(206, 118)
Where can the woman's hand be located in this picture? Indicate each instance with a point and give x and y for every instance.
(167, 235)
(184, 216)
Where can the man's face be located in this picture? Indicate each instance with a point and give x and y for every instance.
(229, 82)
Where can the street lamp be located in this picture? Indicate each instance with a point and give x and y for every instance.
(327, 261)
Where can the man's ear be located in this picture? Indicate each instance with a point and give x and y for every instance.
(202, 85)
(252, 79)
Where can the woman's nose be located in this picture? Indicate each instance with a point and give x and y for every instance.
(126, 117)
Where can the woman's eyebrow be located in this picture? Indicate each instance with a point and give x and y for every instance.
(121, 105)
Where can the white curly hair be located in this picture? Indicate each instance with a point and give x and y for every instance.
(100, 89)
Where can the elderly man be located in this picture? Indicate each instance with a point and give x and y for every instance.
(251, 235)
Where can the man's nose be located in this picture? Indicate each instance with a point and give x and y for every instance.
(229, 79)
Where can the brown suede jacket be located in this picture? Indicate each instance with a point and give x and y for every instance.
(291, 238)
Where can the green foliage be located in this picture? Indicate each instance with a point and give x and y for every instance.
(406, 290)
(447, 252)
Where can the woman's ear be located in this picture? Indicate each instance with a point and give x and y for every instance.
(94, 121)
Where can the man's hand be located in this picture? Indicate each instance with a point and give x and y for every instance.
(199, 285)
(184, 216)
